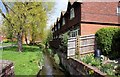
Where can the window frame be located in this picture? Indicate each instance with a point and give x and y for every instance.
(58, 25)
(74, 33)
(55, 28)
(63, 21)
(72, 13)
(118, 10)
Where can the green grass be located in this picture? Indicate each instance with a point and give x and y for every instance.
(26, 63)
(7, 44)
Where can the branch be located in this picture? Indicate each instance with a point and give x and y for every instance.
(5, 6)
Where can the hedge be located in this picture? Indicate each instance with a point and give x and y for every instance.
(108, 41)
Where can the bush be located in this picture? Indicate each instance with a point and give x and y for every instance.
(108, 41)
(108, 68)
(64, 42)
(89, 59)
(5, 40)
(65, 39)
(41, 46)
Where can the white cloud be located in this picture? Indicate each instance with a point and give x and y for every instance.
(61, 5)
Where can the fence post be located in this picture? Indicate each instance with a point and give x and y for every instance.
(77, 46)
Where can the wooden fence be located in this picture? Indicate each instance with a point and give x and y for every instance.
(81, 45)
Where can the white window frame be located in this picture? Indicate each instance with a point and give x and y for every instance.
(74, 33)
(58, 25)
(53, 30)
(63, 21)
(118, 10)
(56, 28)
(72, 13)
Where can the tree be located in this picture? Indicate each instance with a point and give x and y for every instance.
(26, 18)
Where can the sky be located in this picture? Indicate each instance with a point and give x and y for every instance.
(3, 9)
(60, 5)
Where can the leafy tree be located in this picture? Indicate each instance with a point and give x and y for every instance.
(26, 18)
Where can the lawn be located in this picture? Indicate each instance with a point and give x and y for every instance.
(7, 44)
(26, 63)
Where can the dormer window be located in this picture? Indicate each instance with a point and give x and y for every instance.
(72, 13)
(55, 28)
(63, 21)
(58, 25)
(118, 10)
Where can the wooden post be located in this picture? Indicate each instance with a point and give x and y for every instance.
(77, 47)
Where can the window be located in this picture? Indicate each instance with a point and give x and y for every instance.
(53, 30)
(63, 21)
(72, 14)
(56, 28)
(118, 10)
(58, 25)
(74, 33)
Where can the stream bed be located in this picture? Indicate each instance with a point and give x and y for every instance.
(51, 67)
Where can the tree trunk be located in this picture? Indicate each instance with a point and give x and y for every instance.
(26, 39)
(19, 38)
(33, 39)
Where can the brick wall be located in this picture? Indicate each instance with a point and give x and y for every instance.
(76, 19)
(99, 12)
(87, 29)
(78, 68)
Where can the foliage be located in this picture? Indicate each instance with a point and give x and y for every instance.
(89, 59)
(26, 18)
(3, 30)
(107, 68)
(49, 50)
(65, 39)
(108, 41)
(57, 60)
(5, 40)
(25, 63)
(47, 36)
(41, 46)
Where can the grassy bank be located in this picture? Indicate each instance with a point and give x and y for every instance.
(26, 63)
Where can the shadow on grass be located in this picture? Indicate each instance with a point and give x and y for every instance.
(10, 49)
(26, 48)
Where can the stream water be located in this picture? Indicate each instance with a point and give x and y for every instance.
(51, 68)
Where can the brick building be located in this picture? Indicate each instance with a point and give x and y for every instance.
(84, 18)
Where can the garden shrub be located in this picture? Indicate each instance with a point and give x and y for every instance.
(41, 46)
(64, 42)
(89, 59)
(108, 41)
(112, 69)
(5, 40)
